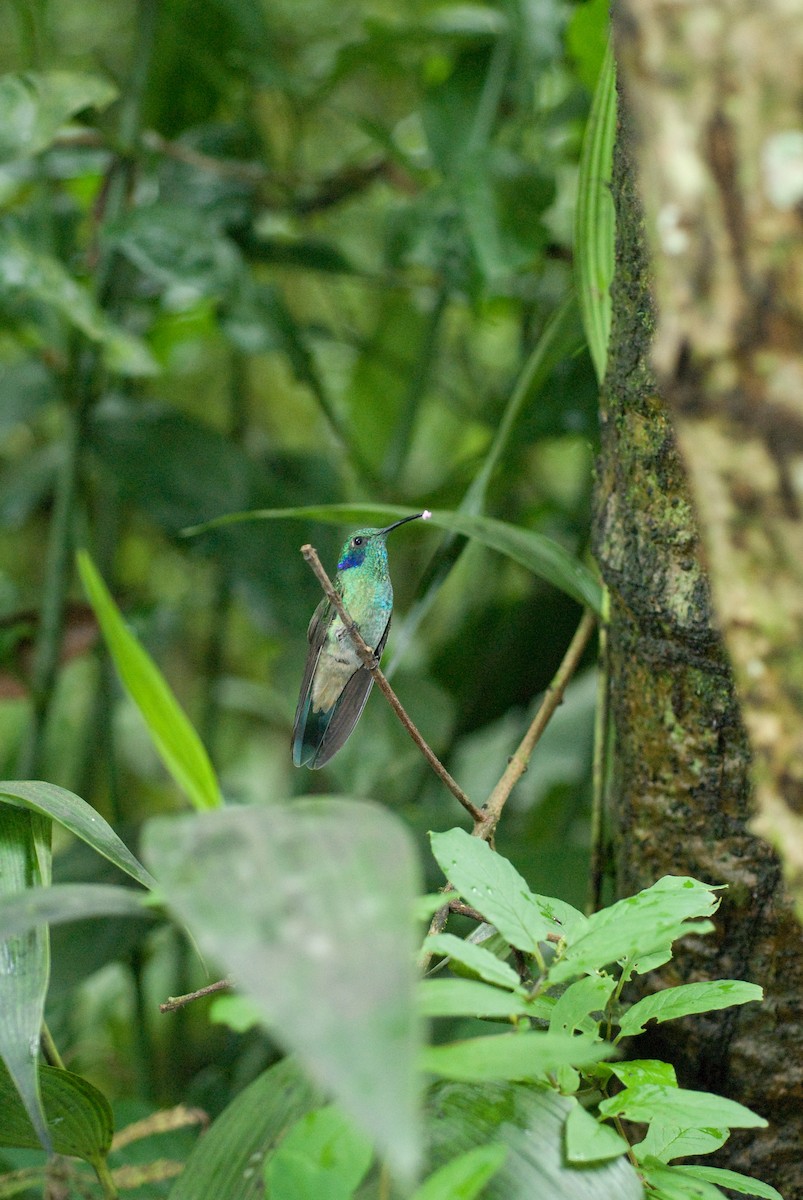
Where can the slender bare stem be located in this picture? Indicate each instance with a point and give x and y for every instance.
(174, 1002)
(489, 818)
(370, 661)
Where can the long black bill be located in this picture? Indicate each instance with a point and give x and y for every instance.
(396, 524)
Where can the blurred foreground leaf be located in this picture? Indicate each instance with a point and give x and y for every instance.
(317, 929)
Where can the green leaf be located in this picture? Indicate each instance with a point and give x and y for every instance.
(512, 1055)
(642, 1070)
(317, 929)
(589, 1140)
(686, 999)
(491, 883)
(225, 1162)
(25, 962)
(34, 106)
(733, 1180)
(176, 741)
(528, 1120)
(636, 928)
(594, 228)
(321, 1157)
(572, 1010)
(465, 1176)
(476, 958)
(470, 998)
(672, 1183)
(80, 818)
(79, 1117)
(539, 554)
(66, 902)
(31, 274)
(665, 1142)
(238, 1012)
(176, 246)
(681, 1107)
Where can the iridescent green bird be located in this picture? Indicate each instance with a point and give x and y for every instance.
(336, 682)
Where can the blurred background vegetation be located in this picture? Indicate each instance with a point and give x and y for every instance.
(286, 253)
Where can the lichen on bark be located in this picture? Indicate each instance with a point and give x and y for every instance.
(679, 795)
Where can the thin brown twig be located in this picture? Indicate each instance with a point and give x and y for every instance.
(370, 661)
(519, 760)
(174, 1002)
(488, 820)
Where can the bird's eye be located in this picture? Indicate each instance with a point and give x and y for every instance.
(358, 541)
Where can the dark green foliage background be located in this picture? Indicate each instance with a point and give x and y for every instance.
(337, 232)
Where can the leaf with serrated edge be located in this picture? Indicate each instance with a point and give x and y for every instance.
(635, 927)
(80, 818)
(572, 1009)
(679, 1106)
(665, 1142)
(491, 884)
(672, 1184)
(686, 999)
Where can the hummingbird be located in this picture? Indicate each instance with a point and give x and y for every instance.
(336, 681)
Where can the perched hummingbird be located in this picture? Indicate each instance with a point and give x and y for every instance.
(336, 682)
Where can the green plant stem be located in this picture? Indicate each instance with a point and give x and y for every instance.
(603, 750)
(101, 1168)
(50, 1050)
(54, 588)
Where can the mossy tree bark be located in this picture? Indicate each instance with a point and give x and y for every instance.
(679, 796)
(716, 90)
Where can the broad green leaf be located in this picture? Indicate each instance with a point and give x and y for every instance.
(66, 902)
(34, 275)
(512, 1056)
(465, 1176)
(637, 927)
(491, 883)
(238, 1012)
(317, 928)
(176, 246)
(642, 1070)
(681, 1107)
(34, 105)
(24, 961)
(321, 1157)
(665, 1142)
(471, 998)
(475, 958)
(589, 1140)
(79, 1117)
(80, 818)
(175, 739)
(226, 1162)
(539, 554)
(572, 1010)
(594, 227)
(672, 1183)
(733, 1180)
(686, 999)
(529, 1121)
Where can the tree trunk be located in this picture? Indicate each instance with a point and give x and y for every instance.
(679, 797)
(716, 89)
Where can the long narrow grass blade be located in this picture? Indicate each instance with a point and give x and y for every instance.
(594, 220)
